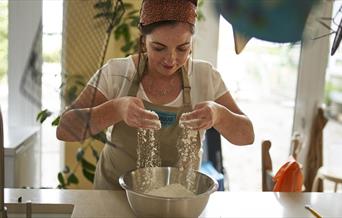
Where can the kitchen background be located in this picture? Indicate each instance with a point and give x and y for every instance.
(263, 79)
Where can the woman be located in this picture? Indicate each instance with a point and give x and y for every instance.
(164, 79)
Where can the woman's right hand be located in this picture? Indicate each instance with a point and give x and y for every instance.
(134, 114)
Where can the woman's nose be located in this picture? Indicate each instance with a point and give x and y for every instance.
(170, 57)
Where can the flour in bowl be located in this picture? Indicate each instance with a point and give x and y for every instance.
(171, 191)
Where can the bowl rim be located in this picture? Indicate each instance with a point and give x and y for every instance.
(213, 188)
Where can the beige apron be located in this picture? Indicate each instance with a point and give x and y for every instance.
(115, 161)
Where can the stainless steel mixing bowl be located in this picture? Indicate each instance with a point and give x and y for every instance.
(138, 182)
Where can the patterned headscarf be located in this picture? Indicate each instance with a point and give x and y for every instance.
(162, 10)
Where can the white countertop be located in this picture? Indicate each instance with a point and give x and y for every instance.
(14, 136)
(101, 204)
(87, 203)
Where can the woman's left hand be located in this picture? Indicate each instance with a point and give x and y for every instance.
(204, 116)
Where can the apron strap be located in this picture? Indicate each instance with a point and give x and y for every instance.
(133, 90)
(186, 88)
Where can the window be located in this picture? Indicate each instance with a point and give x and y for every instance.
(3, 57)
(332, 141)
(262, 79)
(51, 81)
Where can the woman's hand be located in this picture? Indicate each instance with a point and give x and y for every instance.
(133, 113)
(204, 116)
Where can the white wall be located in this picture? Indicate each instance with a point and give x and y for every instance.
(207, 34)
(24, 20)
(24, 25)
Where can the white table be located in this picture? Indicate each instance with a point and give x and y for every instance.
(96, 203)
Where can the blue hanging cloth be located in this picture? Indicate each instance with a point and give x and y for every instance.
(280, 21)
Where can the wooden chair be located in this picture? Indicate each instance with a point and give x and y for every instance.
(266, 161)
(329, 174)
(266, 166)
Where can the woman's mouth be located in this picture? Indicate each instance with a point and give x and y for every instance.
(168, 67)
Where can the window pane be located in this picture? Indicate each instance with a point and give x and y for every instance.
(262, 79)
(3, 57)
(51, 81)
(332, 141)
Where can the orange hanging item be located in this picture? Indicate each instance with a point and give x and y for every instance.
(289, 177)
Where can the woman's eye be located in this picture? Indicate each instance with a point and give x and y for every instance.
(158, 48)
(183, 49)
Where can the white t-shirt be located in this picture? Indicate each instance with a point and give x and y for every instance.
(117, 74)
(114, 79)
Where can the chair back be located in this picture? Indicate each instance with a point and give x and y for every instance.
(296, 145)
(289, 177)
(266, 166)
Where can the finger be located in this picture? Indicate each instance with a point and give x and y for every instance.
(196, 114)
(200, 105)
(188, 116)
(134, 123)
(150, 115)
(191, 124)
(203, 126)
(143, 114)
(150, 124)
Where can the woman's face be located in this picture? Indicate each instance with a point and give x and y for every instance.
(168, 48)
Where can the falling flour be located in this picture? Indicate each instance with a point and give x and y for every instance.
(172, 191)
(188, 159)
(148, 155)
(148, 149)
(148, 152)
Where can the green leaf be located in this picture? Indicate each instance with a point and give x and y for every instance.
(61, 179)
(127, 47)
(122, 31)
(88, 175)
(103, 5)
(126, 33)
(80, 83)
(132, 12)
(77, 77)
(127, 6)
(101, 136)
(79, 154)
(100, 15)
(119, 31)
(66, 170)
(117, 20)
(87, 165)
(95, 153)
(109, 15)
(72, 91)
(72, 179)
(41, 117)
(71, 94)
(200, 16)
(55, 122)
(62, 85)
(134, 21)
